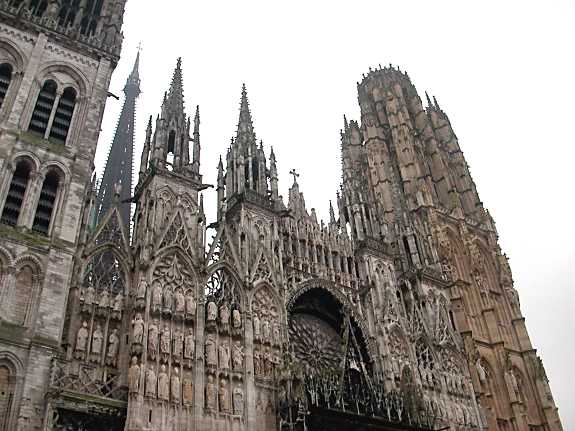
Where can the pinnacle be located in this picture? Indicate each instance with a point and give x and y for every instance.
(175, 96)
(245, 130)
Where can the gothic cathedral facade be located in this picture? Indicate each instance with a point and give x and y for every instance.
(124, 307)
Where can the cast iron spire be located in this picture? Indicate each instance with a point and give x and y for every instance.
(119, 167)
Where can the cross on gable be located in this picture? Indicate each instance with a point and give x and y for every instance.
(295, 175)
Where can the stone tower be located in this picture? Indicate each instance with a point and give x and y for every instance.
(119, 166)
(56, 60)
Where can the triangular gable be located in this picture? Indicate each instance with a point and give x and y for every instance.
(176, 233)
(261, 270)
(111, 230)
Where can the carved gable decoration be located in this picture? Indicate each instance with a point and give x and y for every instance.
(104, 272)
(262, 270)
(176, 233)
(111, 230)
(172, 273)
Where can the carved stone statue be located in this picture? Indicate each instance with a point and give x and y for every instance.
(142, 289)
(178, 343)
(211, 358)
(113, 347)
(224, 354)
(238, 356)
(189, 345)
(224, 398)
(190, 304)
(97, 340)
(82, 338)
(236, 318)
(267, 363)
(238, 401)
(257, 327)
(151, 383)
(481, 371)
(276, 337)
(163, 385)
(165, 340)
(180, 301)
(153, 333)
(211, 393)
(156, 297)
(134, 376)
(266, 330)
(187, 392)
(104, 299)
(257, 363)
(138, 325)
(212, 313)
(90, 295)
(167, 299)
(225, 315)
(118, 303)
(175, 386)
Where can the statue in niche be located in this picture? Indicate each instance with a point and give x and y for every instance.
(267, 363)
(82, 337)
(104, 299)
(238, 401)
(151, 383)
(224, 353)
(257, 327)
(163, 385)
(257, 363)
(156, 297)
(211, 393)
(276, 333)
(188, 392)
(481, 373)
(266, 330)
(97, 340)
(113, 347)
(225, 315)
(236, 318)
(153, 333)
(190, 304)
(178, 342)
(211, 351)
(167, 299)
(138, 325)
(224, 399)
(142, 289)
(238, 356)
(134, 376)
(212, 311)
(165, 340)
(180, 301)
(118, 303)
(175, 386)
(81, 295)
(90, 295)
(189, 345)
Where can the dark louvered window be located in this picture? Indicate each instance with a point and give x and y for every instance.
(45, 208)
(16, 192)
(5, 78)
(43, 108)
(63, 116)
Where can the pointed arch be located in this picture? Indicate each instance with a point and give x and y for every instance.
(176, 259)
(224, 284)
(106, 268)
(111, 231)
(264, 298)
(177, 233)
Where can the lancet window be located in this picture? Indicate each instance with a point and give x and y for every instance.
(16, 193)
(5, 79)
(46, 203)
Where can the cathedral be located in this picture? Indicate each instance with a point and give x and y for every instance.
(124, 308)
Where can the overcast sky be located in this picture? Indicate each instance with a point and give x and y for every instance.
(503, 71)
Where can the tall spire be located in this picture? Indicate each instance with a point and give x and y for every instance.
(245, 136)
(119, 166)
(175, 97)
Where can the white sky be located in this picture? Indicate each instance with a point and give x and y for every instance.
(502, 70)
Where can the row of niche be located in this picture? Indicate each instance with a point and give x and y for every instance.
(167, 386)
(90, 343)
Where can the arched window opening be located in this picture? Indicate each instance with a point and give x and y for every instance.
(16, 193)
(63, 116)
(45, 208)
(6, 396)
(5, 79)
(43, 108)
(24, 290)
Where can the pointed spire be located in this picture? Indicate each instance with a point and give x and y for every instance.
(245, 135)
(428, 99)
(175, 96)
(345, 124)
(436, 104)
(331, 214)
(196, 139)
